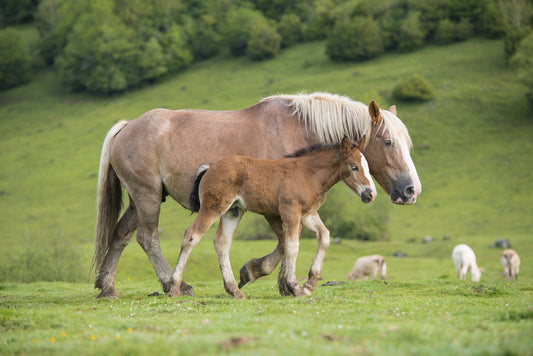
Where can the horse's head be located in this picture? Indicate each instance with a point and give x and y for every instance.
(355, 172)
(389, 159)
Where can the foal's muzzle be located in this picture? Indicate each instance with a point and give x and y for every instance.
(367, 195)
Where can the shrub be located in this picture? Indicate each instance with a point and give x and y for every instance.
(356, 39)
(415, 88)
(15, 66)
(264, 42)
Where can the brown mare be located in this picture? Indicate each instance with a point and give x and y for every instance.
(288, 190)
(158, 154)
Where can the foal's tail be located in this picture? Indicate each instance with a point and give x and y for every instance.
(194, 197)
(108, 200)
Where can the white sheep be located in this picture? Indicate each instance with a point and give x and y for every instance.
(368, 266)
(465, 260)
(510, 263)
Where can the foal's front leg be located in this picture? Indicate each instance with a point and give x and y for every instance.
(315, 225)
(223, 238)
(192, 236)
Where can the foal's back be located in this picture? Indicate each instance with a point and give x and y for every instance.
(261, 186)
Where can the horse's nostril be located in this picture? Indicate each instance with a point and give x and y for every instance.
(409, 191)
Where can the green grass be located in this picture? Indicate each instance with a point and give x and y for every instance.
(473, 152)
(435, 316)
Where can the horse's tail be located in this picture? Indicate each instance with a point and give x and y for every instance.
(108, 201)
(194, 197)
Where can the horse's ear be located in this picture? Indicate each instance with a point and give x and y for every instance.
(392, 109)
(346, 146)
(373, 110)
(362, 143)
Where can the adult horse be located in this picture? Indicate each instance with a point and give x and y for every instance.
(158, 154)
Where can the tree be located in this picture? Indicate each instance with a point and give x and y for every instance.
(355, 39)
(101, 55)
(291, 30)
(264, 42)
(523, 62)
(411, 35)
(15, 67)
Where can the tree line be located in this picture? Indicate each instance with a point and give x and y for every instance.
(108, 46)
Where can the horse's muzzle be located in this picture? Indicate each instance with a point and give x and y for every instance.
(403, 191)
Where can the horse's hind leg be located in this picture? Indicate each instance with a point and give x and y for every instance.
(148, 238)
(223, 238)
(122, 236)
(259, 267)
(315, 225)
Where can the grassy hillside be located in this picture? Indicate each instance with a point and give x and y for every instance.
(473, 153)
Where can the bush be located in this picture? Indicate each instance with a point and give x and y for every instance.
(264, 42)
(415, 88)
(356, 39)
(15, 66)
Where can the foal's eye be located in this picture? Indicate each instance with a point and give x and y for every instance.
(354, 167)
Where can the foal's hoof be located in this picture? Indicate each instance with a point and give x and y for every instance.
(245, 276)
(109, 293)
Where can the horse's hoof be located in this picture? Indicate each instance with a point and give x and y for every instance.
(186, 289)
(245, 276)
(109, 293)
(238, 295)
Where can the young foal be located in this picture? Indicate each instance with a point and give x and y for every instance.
(291, 188)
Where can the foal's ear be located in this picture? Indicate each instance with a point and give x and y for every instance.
(373, 110)
(362, 143)
(346, 146)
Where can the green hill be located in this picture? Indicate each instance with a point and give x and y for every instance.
(473, 151)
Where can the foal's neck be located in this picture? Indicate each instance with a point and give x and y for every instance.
(324, 167)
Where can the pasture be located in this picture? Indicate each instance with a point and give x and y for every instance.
(472, 151)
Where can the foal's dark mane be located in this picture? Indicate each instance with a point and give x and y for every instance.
(312, 149)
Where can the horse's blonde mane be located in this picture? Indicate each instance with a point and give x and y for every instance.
(331, 116)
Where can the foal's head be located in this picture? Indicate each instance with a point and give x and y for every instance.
(354, 170)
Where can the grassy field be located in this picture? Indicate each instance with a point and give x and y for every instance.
(473, 152)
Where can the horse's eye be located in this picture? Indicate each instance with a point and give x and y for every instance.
(354, 167)
(388, 143)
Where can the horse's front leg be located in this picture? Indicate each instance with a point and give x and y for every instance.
(287, 281)
(223, 238)
(263, 266)
(192, 236)
(315, 225)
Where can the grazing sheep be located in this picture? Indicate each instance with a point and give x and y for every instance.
(465, 260)
(510, 263)
(368, 266)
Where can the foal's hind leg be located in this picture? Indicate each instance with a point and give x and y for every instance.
(315, 225)
(223, 238)
(122, 236)
(259, 267)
